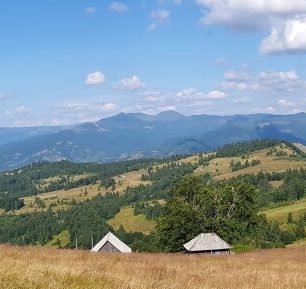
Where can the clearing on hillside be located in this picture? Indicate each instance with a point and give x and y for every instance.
(132, 223)
(280, 214)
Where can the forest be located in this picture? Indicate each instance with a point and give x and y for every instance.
(190, 205)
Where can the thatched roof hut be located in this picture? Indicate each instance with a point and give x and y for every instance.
(110, 243)
(209, 243)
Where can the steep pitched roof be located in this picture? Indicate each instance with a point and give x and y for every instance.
(206, 242)
(111, 238)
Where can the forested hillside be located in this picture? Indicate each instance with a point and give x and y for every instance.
(227, 191)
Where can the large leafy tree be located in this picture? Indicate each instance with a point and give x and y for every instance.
(229, 209)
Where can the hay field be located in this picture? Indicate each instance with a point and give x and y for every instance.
(60, 199)
(36, 268)
(219, 168)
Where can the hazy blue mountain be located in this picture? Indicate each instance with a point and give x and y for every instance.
(10, 134)
(138, 135)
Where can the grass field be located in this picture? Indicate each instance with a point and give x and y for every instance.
(220, 167)
(60, 199)
(280, 214)
(36, 268)
(61, 240)
(130, 222)
(299, 243)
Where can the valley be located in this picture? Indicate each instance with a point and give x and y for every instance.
(128, 197)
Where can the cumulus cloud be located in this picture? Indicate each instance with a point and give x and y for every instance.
(286, 81)
(273, 81)
(238, 80)
(193, 94)
(287, 37)
(129, 83)
(249, 13)
(285, 19)
(118, 7)
(95, 78)
(90, 10)
(286, 103)
(216, 94)
(159, 17)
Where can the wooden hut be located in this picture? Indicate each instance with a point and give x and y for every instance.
(209, 243)
(110, 243)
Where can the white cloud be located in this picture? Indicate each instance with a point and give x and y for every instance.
(286, 81)
(90, 10)
(238, 80)
(286, 103)
(270, 109)
(151, 99)
(285, 19)
(249, 13)
(118, 7)
(216, 95)
(130, 83)
(193, 94)
(190, 94)
(287, 37)
(21, 110)
(159, 17)
(95, 78)
(273, 81)
(109, 107)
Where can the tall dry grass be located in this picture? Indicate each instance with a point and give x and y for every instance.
(31, 268)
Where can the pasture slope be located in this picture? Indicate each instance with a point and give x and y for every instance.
(67, 269)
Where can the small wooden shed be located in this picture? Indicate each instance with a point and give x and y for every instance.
(209, 243)
(110, 243)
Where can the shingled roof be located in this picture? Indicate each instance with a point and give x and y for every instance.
(207, 242)
(112, 239)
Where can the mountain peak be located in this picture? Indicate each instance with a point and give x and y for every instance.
(169, 115)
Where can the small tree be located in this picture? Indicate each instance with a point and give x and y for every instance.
(290, 218)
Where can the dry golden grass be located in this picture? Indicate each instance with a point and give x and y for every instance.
(80, 194)
(36, 268)
(220, 167)
(301, 147)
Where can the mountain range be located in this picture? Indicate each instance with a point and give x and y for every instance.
(138, 135)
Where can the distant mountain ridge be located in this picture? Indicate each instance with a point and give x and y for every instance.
(137, 135)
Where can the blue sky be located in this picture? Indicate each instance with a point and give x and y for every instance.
(72, 61)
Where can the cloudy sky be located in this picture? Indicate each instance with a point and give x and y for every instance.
(72, 61)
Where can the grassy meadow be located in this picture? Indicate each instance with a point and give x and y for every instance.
(60, 199)
(280, 214)
(132, 223)
(36, 268)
